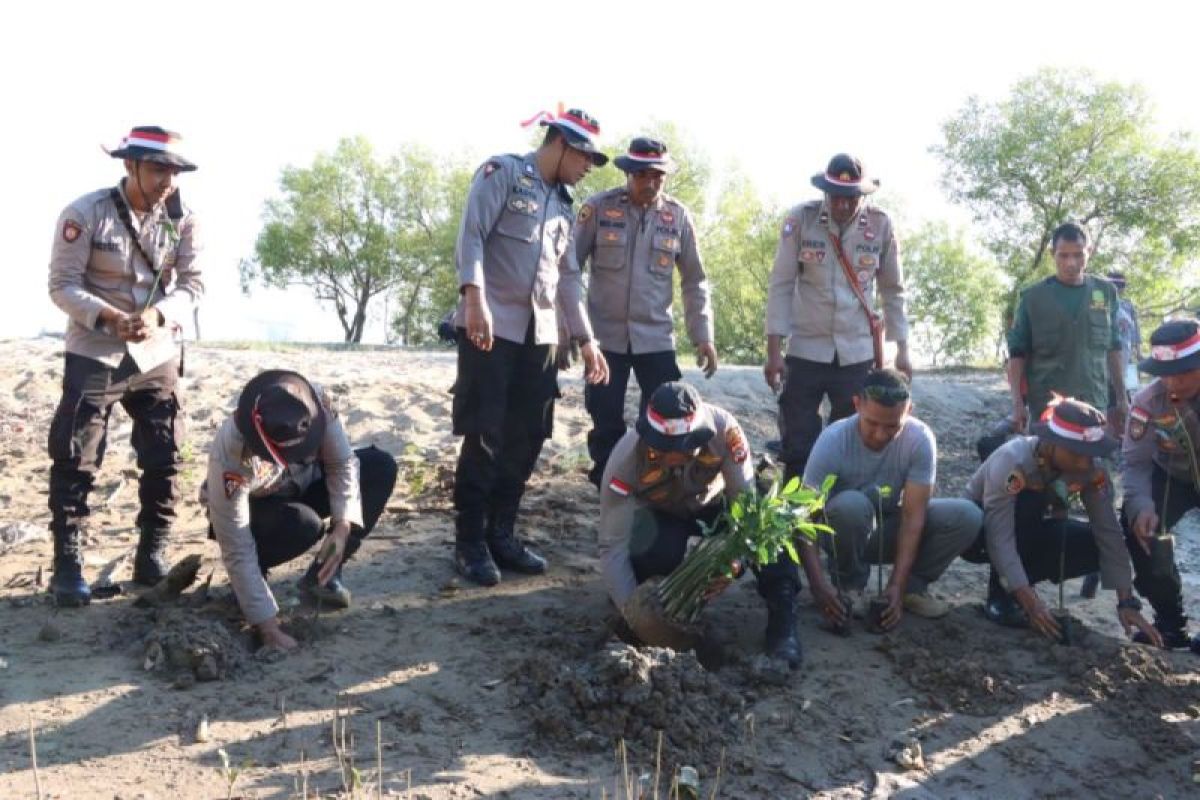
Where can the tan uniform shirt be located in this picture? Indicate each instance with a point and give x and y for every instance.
(634, 251)
(1159, 433)
(1015, 467)
(236, 474)
(94, 265)
(514, 244)
(723, 466)
(810, 300)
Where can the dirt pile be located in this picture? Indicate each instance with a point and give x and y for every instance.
(631, 693)
(190, 648)
(951, 677)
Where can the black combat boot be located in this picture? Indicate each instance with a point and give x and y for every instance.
(150, 564)
(1000, 607)
(471, 555)
(507, 549)
(782, 641)
(69, 588)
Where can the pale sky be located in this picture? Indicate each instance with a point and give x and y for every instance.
(255, 86)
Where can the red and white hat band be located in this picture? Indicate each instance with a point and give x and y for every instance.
(581, 127)
(836, 181)
(677, 426)
(1077, 433)
(1174, 352)
(149, 140)
(647, 157)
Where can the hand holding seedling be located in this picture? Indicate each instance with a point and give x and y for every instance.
(1131, 619)
(828, 603)
(1040, 618)
(333, 548)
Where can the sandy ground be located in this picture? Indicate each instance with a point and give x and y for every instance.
(519, 691)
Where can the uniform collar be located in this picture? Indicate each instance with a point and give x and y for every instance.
(137, 217)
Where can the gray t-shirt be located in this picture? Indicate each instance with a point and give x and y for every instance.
(909, 458)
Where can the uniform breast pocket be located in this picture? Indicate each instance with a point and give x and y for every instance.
(610, 248)
(107, 263)
(1099, 328)
(663, 250)
(519, 219)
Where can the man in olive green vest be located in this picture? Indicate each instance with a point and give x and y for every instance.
(1065, 339)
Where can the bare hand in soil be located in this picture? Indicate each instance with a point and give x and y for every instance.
(332, 550)
(1131, 619)
(1041, 620)
(826, 598)
(894, 595)
(274, 637)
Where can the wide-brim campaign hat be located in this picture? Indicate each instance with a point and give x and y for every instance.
(580, 130)
(1075, 426)
(280, 417)
(645, 153)
(844, 177)
(676, 419)
(152, 143)
(1174, 348)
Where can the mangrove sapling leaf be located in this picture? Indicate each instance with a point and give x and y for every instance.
(753, 530)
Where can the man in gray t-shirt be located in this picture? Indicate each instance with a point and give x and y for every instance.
(885, 461)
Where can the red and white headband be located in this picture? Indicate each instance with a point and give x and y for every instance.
(673, 426)
(1074, 431)
(149, 140)
(1174, 352)
(847, 181)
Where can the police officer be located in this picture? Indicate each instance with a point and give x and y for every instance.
(833, 254)
(679, 466)
(636, 237)
(1160, 471)
(123, 267)
(1018, 485)
(514, 268)
(1065, 338)
(277, 468)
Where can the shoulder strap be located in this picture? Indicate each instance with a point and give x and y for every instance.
(127, 221)
(852, 279)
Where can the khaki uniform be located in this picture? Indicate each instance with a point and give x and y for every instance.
(514, 244)
(94, 265)
(810, 300)
(634, 253)
(1015, 468)
(632, 483)
(236, 476)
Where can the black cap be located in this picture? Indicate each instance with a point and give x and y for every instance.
(675, 418)
(845, 177)
(152, 143)
(1076, 426)
(1174, 348)
(645, 153)
(280, 417)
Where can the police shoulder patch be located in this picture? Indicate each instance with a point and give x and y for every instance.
(1138, 419)
(71, 231)
(1015, 482)
(232, 482)
(618, 487)
(585, 213)
(736, 442)
(490, 167)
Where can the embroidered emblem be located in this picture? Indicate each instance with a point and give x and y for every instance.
(1015, 482)
(71, 231)
(866, 261)
(812, 256)
(585, 213)
(863, 276)
(523, 206)
(869, 234)
(667, 217)
(1138, 418)
(668, 243)
(1097, 299)
(490, 167)
(525, 181)
(614, 213)
(233, 481)
(664, 261)
(736, 443)
(618, 486)
(611, 236)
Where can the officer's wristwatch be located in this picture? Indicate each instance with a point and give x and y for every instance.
(1132, 603)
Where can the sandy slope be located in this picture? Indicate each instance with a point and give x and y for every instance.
(510, 692)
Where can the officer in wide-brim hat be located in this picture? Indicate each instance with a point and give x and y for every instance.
(645, 153)
(152, 143)
(1077, 427)
(579, 131)
(844, 177)
(280, 417)
(1174, 349)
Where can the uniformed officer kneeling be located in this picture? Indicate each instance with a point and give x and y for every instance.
(1016, 487)
(277, 467)
(676, 469)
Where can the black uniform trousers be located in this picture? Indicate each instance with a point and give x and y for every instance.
(658, 544)
(606, 402)
(1041, 541)
(504, 410)
(800, 402)
(1156, 577)
(79, 436)
(284, 528)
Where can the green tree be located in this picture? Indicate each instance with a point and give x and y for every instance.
(953, 293)
(1066, 145)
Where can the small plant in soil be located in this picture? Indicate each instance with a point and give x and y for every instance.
(879, 603)
(753, 530)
